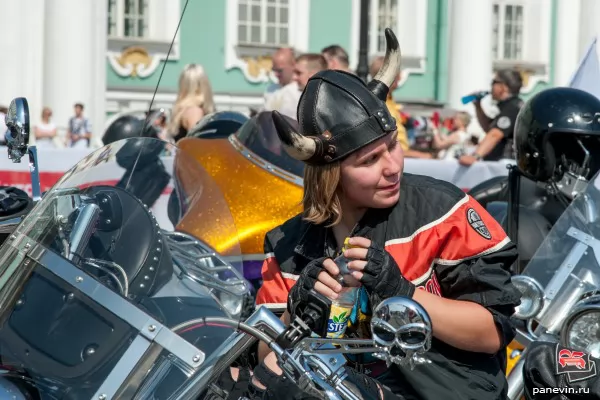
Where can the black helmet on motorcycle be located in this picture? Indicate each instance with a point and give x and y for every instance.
(124, 127)
(558, 131)
(129, 125)
(218, 125)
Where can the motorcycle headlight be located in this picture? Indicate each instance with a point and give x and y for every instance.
(232, 303)
(532, 297)
(232, 299)
(581, 329)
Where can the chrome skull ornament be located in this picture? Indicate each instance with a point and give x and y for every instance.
(402, 329)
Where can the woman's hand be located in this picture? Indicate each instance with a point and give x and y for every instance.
(377, 270)
(320, 274)
(326, 284)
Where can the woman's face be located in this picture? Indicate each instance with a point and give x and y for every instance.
(370, 178)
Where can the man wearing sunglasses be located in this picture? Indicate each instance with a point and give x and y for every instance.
(497, 143)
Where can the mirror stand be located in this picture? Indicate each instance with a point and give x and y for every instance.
(34, 172)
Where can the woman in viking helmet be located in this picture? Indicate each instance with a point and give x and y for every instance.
(409, 232)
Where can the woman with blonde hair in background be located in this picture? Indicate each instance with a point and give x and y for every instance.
(45, 131)
(194, 101)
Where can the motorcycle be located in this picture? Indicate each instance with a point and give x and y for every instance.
(527, 211)
(561, 284)
(103, 297)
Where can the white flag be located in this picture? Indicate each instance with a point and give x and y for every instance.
(587, 75)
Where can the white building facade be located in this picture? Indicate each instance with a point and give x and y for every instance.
(109, 54)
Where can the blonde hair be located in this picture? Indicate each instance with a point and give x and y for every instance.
(194, 91)
(465, 117)
(46, 110)
(321, 199)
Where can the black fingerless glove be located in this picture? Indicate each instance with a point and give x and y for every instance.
(298, 296)
(278, 386)
(382, 277)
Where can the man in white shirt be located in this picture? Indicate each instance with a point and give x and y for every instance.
(337, 58)
(283, 69)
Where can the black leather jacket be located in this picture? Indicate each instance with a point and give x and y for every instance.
(445, 243)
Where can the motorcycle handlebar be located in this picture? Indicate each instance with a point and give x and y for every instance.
(250, 331)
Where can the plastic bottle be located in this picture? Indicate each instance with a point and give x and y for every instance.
(341, 308)
(472, 97)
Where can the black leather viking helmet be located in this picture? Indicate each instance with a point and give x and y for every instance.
(339, 114)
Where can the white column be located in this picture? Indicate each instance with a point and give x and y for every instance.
(22, 53)
(470, 48)
(75, 60)
(588, 24)
(566, 51)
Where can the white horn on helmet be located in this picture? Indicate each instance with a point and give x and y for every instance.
(296, 145)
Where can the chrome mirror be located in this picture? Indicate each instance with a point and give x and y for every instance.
(17, 135)
(532, 297)
(17, 141)
(402, 329)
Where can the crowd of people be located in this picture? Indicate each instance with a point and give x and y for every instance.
(45, 132)
(420, 137)
(427, 137)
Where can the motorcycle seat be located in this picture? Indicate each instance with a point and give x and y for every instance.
(494, 189)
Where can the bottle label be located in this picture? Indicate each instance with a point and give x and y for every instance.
(338, 321)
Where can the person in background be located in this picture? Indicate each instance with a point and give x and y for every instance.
(79, 129)
(337, 58)
(284, 95)
(283, 61)
(306, 66)
(194, 101)
(453, 145)
(45, 131)
(394, 110)
(497, 143)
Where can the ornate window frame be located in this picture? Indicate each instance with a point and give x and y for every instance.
(255, 61)
(535, 54)
(130, 56)
(411, 33)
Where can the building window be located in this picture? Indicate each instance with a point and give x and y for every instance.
(382, 14)
(507, 41)
(128, 18)
(263, 23)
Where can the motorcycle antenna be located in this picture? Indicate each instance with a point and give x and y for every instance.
(162, 70)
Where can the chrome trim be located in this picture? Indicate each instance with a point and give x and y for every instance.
(191, 357)
(83, 229)
(227, 352)
(207, 264)
(261, 163)
(552, 315)
(529, 288)
(114, 382)
(34, 172)
(515, 380)
(590, 304)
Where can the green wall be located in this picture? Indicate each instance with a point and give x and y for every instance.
(202, 40)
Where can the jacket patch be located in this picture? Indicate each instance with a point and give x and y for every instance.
(477, 224)
(576, 364)
(431, 285)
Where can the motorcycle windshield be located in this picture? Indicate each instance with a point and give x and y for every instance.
(103, 294)
(259, 135)
(567, 264)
